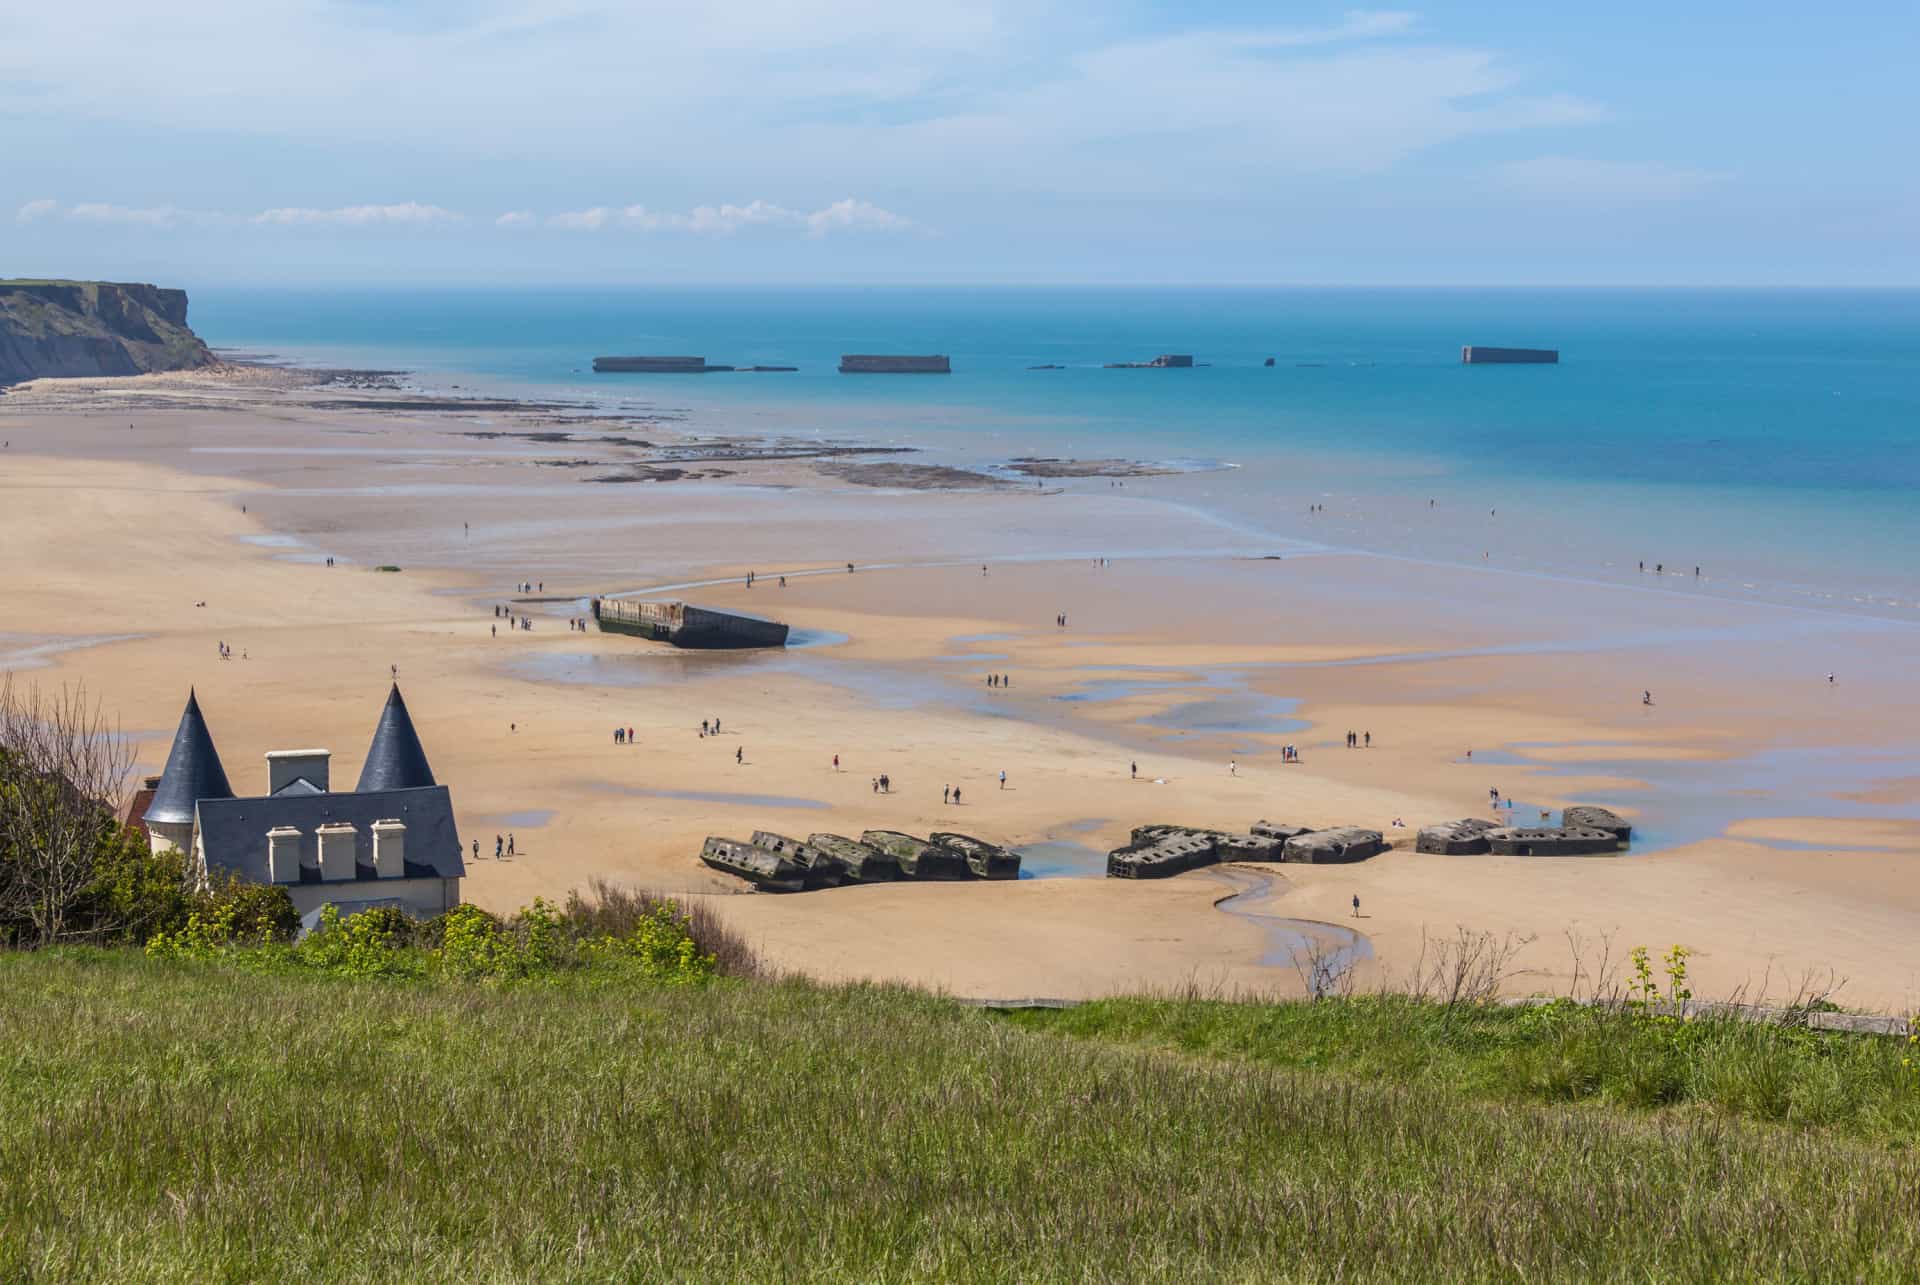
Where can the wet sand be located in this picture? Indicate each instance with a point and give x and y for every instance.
(1780, 814)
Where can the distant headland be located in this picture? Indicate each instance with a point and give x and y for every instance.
(83, 328)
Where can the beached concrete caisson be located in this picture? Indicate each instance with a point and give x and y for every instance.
(776, 863)
(771, 871)
(1586, 816)
(1551, 841)
(859, 862)
(1342, 843)
(918, 858)
(1465, 837)
(986, 860)
(685, 625)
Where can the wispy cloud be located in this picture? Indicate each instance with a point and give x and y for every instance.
(727, 219)
(1589, 181)
(36, 210)
(405, 213)
(153, 216)
(516, 219)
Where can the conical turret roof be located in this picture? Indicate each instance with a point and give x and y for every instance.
(193, 771)
(395, 760)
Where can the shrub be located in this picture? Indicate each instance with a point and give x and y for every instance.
(371, 943)
(610, 910)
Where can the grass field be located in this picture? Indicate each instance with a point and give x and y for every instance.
(179, 1120)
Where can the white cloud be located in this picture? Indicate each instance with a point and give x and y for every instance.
(516, 219)
(156, 216)
(855, 214)
(989, 96)
(727, 218)
(1588, 181)
(36, 210)
(405, 213)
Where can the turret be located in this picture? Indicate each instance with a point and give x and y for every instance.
(193, 772)
(395, 760)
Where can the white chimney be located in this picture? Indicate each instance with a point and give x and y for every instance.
(283, 854)
(389, 848)
(287, 766)
(336, 850)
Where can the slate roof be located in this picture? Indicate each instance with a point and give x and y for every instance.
(193, 771)
(233, 832)
(395, 760)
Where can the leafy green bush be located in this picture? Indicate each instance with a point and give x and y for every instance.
(372, 943)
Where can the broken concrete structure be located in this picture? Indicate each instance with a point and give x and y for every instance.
(1455, 838)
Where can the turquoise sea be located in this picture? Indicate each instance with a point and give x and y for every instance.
(1770, 437)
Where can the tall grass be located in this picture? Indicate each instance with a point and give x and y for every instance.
(1562, 1052)
(175, 1121)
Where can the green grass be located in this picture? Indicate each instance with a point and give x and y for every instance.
(189, 1121)
(1866, 1086)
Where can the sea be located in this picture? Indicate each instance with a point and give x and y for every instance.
(1770, 439)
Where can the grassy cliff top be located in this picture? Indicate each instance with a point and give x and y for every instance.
(193, 1121)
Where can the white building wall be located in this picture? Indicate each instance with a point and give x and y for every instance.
(423, 897)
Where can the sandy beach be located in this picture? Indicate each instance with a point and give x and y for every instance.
(1779, 812)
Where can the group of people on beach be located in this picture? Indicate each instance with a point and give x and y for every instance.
(226, 652)
(501, 850)
(515, 622)
(624, 736)
(999, 680)
(531, 586)
(1359, 740)
(709, 727)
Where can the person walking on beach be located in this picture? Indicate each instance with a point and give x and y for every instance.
(946, 795)
(739, 754)
(499, 846)
(703, 727)
(956, 796)
(476, 849)
(1646, 698)
(1003, 778)
(1133, 771)
(509, 843)
(1356, 905)
(1233, 767)
(1368, 736)
(836, 762)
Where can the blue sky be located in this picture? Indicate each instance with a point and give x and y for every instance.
(872, 141)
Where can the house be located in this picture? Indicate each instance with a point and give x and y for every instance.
(391, 840)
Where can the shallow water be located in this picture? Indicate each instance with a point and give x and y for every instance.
(722, 797)
(1294, 943)
(1683, 801)
(1763, 434)
(1061, 859)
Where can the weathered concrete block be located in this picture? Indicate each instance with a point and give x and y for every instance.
(1588, 817)
(1550, 841)
(1342, 843)
(1455, 838)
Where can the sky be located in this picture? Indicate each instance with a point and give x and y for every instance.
(1047, 141)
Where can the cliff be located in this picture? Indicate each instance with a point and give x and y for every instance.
(74, 328)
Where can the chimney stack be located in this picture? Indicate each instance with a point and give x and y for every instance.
(389, 848)
(336, 851)
(284, 767)
(283, 854)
